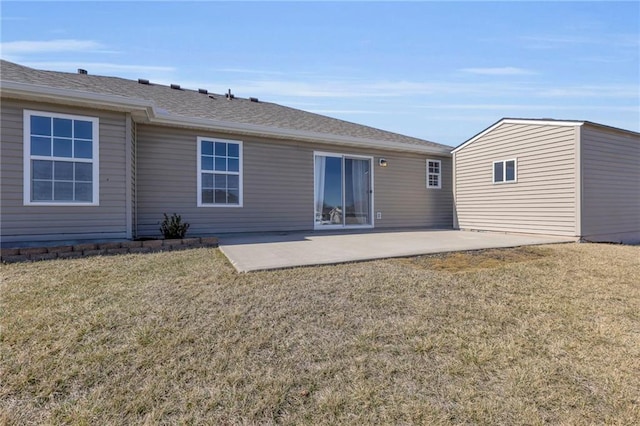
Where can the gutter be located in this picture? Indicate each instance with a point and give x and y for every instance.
(154, 115)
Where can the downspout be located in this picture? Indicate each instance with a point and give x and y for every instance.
(135, 180)
(454, 171)
(578, 183)
(128, 176)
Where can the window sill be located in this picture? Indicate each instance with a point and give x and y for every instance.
(59, 204)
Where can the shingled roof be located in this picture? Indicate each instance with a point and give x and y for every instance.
(213, 108)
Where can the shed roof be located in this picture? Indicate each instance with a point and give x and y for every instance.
(539, 122)
(192, 108)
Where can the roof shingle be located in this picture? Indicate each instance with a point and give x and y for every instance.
(192, 104)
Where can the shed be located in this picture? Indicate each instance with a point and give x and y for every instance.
(557, 177)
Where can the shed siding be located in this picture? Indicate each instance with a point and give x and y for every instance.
(278, 185)
(611, 185)
(542, 200)
(34, 223)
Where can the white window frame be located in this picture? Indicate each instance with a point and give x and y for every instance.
(95, 160)
(439, 174)
(504, 171)
(240, 172)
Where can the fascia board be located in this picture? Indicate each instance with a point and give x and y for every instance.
(38, 92)
(266, 131)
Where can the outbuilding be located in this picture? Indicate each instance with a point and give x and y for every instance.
(555, 177)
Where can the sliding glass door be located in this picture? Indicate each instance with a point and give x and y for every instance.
(343, 190)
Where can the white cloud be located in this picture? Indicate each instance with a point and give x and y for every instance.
(590, 91)
(498, 71)
(601, 39)
(101, 68)
(335, 88)
(25, 47)
(520, 107)
(248, 71)
(346, 111)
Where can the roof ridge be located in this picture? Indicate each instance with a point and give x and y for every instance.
(193, 104)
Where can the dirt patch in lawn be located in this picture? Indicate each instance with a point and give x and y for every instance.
(480, 259)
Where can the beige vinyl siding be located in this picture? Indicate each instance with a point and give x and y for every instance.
(35, 223)
(277, 183)
(542, 200)
(611, 184)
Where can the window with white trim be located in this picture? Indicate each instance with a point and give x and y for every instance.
(504, 171)
(434, 174)
(60, 159)
(219, 173)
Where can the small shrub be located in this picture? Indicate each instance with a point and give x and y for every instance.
(173, 227)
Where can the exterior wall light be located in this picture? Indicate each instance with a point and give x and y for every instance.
(382, 162)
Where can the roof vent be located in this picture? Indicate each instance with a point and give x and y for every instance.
(143, 81)
(211, 97)
(83, 72)
(175, 86)
(203, 91)
(254, 99)
(229, 95)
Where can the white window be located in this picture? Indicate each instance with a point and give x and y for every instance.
(60, 159)
(219, 173)
(504, 171)
(434, 174)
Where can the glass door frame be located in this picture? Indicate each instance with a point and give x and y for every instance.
(343, 157)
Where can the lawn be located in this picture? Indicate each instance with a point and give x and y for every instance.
(538, 335)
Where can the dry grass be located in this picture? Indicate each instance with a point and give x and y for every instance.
(547, 335)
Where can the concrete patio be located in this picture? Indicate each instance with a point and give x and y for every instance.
(273, 251)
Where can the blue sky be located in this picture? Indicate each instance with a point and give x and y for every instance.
(441, 71)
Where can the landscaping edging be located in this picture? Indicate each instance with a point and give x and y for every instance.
(27, 254)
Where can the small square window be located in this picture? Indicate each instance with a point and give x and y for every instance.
(207, 163)
(40, 126)
(84, 172)
(221, 164)
(42, 169)
(220, 181)
(62, 170)
(82, 149)
(234, 150)
(207, 196)
(41, 146)
(83, 129)
(504, 171)
(62, 148)
(207, 180)
(207, 148)
(84, 192)
(221, 149)
(42, 190)
(63, 191)
(62, 128)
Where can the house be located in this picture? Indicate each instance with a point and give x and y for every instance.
(572, 178)
(94, 157)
